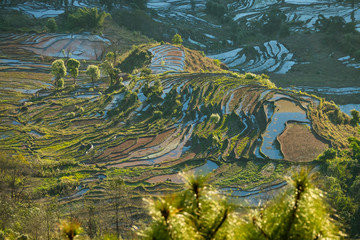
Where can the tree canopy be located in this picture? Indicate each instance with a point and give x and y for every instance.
(93, 72)
(58, 69)
(73, 66)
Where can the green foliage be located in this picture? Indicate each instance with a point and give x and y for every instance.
(140, 21)
(51, 25)
(93, 72)
(216, 8)
(217, 62)
(108, 67)
(16, 20)
(328, 154)
(137, 58)
(355, 146)
(85, 18)
(200, 212)
(153, 93)
(145, 72)
(215, 118)
(355, 117)
(73, 66)
(333, 25)
(274, 22)
(341, 179)
(58, 69)
(334, 113)
(70, 228)
(177, 39)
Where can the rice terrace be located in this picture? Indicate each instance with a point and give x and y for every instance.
(107, 104)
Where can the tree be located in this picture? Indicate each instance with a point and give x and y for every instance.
(51, 25)
(355, 117)
(70, 228)
(200, 212)
(177, 39)
(93, 72)
(73, 66)
(118, 192)
(108, 67)
(58, 69)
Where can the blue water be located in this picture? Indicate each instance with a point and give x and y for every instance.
(275, 128)
(207, 168)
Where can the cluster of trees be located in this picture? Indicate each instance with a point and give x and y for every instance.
(84, 18)
(59, 70)
(341, 170)
(216, 8)
(24, 216)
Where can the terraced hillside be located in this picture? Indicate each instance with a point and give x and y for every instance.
(154, 127)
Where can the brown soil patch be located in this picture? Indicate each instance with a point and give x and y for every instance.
(161, 137)
(189, 156)
(299, 144)
(141, 142)
(288, 106)
(129, 164)
(174, 53)
(118, 148)
(195, 62)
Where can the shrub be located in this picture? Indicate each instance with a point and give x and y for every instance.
(93, 72)
(85, 18)
(216, 8)
(249, 76)
(333, 24)
(145, 72)
(274, 21)
(137, 58)
(177, 39)
(214, 118)
(51, 25)
(217, 62)
(58, 69)
(328, 154)
(157, 114)
(355, 120)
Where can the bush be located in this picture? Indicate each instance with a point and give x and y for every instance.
(274, 22)
(250, 76)
(145, 72)
(217, 62)
(216, 8)
(137, 59)
(157, 114)
(334, 25)
(328, 154)
(355, 120)
(177, 39)
(51, 25)
(85, 18)
(214, 118)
